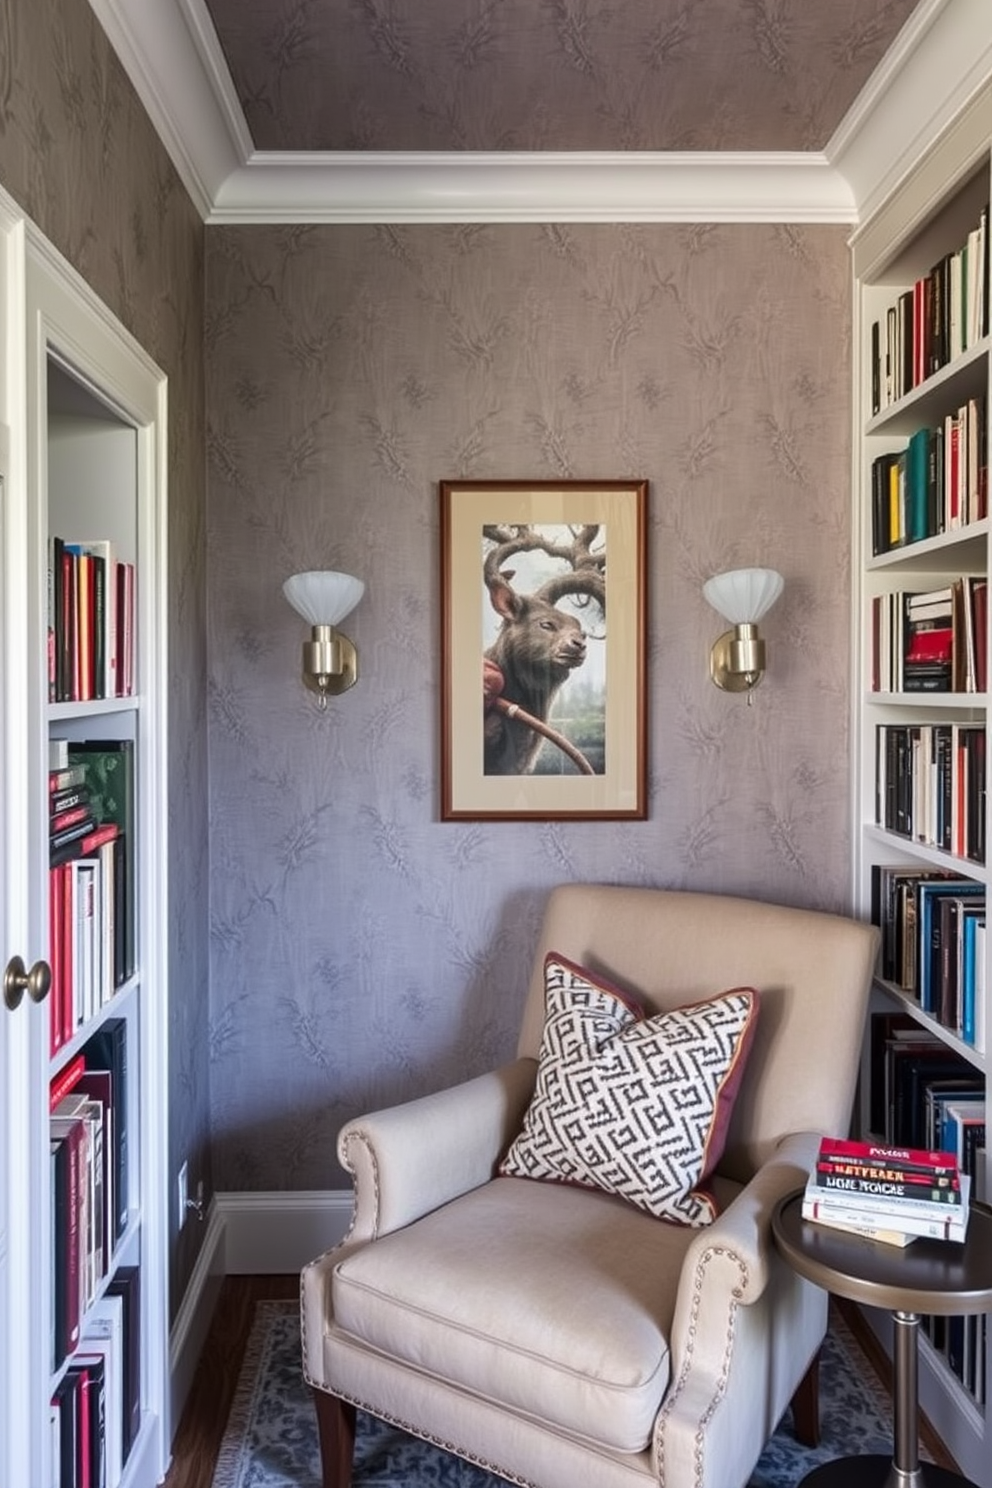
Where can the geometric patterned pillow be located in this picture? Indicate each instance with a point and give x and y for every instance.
(638, 1106)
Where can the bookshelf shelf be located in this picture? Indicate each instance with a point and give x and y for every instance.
(84, 1199)
(923, 530)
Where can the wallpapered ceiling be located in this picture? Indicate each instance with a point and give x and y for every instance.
(362, 951)
(550, 74)
(80, 156)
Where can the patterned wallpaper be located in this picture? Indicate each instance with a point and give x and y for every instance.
(551, 74)
(79, 155)
(363, 952)
(360, 951)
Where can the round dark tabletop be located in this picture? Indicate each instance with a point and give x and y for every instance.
(932, 1276)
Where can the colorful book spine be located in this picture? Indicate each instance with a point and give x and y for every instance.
(889, 1210)
(923, 1227)
(907, 1158)
(886, 1182)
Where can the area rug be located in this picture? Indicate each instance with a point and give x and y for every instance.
(271, 1435)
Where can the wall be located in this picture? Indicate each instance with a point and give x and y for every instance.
(80, 157)
(361, 951)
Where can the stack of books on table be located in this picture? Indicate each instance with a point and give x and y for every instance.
(892, 1194)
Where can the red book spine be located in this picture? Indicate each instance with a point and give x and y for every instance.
(65, 1080)
(873, 1152)
(67, 1214)
(54, 941)
(68, 818)
(68, 968)
(106, 832)
(940, 1188)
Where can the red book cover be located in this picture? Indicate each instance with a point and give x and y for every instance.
(66, 958)
(84, 1439)
(919, 338)
(69, 818)
(67, 1214)
(65, 1080)
(85, 622)
(952, 440)
(889, 1179)
(54, 940)
(980, 605)
(105, 832)
(92, 1367)
(874, 1152)
(930, 645)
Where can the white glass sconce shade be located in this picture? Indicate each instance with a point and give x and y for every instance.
(743, 596)
(324, 598)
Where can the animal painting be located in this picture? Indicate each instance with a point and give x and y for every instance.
(538, 646)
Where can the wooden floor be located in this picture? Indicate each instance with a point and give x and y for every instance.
(201, 1429)
(197, 1442)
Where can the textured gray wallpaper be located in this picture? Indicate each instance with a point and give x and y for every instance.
(361, 951)
(551, 74)
(79, 155)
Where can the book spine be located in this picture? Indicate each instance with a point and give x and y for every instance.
(879, 1200)
(842, 1167)
(910, 1224)
(868, 1231)
(921, 1159)
(914, 1192)
(65, 1081)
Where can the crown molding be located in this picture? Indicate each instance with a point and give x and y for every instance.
(537, 187)
(941, 59)
(172, 55)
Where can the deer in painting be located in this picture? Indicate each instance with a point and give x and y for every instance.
(538, 646)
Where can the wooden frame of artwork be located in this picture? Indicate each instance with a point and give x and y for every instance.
(530, 570)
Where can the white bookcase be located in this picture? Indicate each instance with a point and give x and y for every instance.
(928, 217)
(82, 457)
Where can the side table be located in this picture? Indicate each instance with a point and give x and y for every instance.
(928, 1276)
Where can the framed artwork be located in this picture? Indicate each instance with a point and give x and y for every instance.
(543, 650)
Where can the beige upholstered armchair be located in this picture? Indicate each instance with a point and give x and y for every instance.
(560, 1335)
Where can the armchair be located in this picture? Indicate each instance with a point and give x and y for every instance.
(559, 1335)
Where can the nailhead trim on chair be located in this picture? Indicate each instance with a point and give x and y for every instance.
(721, 1388)
(357, 1136)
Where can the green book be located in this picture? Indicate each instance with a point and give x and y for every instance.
(109, 766)
(917, 483)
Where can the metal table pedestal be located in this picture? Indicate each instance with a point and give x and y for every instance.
(929, 1276)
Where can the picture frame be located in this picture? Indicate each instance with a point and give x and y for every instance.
(529, 571)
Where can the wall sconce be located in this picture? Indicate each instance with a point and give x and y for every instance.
(743, 596)
(330, 662)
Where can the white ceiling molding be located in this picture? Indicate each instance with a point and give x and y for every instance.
(171, 53)
(534, 187)
(939, 61)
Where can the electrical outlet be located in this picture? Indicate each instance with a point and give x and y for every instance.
(183, 1192)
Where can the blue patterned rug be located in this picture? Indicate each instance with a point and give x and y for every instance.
(271, 1435)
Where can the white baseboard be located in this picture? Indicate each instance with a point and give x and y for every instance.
(248, 1234)
(269, 1233)
(189, 1331)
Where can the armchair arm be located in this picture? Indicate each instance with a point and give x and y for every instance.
(744, 1229)
(410, 1159)
(728, 1304)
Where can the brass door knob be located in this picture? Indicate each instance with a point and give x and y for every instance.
(17, 980)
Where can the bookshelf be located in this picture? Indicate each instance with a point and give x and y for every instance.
(83, 1189)
(921, 713)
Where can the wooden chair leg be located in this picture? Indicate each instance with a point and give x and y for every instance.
(336, 1431)
(806, 1406)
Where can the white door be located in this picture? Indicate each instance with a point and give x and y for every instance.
(22, 1021)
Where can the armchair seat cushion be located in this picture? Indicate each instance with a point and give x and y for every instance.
(554, 1301)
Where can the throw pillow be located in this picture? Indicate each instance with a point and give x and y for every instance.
(638, 1106)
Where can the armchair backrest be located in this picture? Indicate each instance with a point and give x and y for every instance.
(812, 971)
